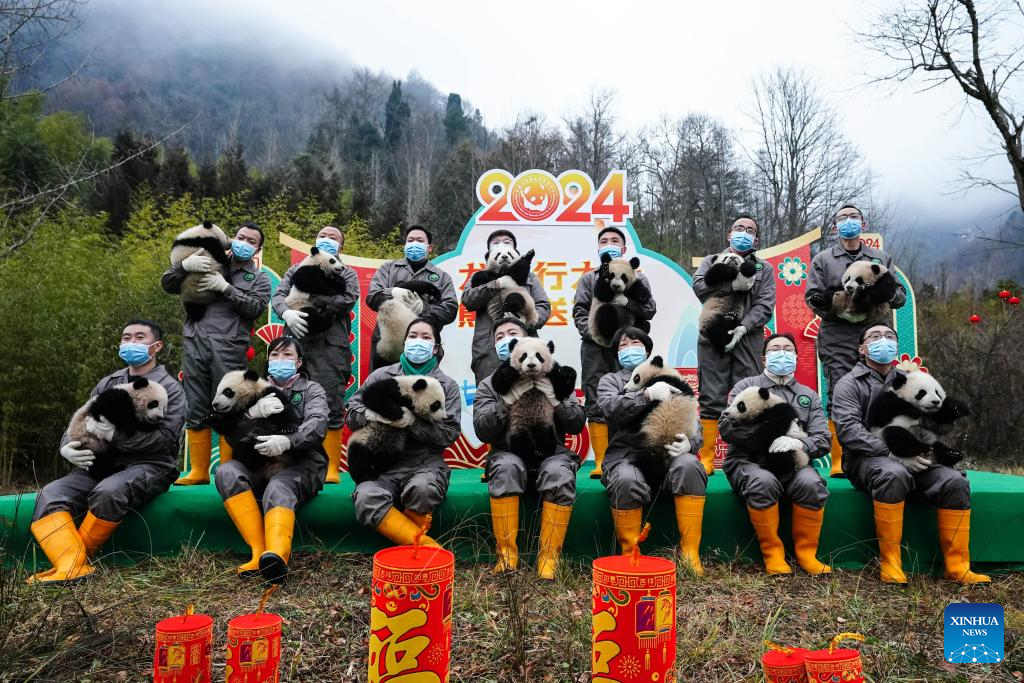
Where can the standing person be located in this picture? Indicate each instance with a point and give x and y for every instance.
(838, 338)
(415, 266)
(718, 371)
(595, 360)
(216, 344)
(327, 355)
(145, 465)
(267, 524)
(889, 480)
(400, 502)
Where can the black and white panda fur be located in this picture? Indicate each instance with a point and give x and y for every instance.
(211, 241)
(516, 300)
(531, 384)
(319, 274)
(762, 417)
(914, 416)
(867, 290)
(723, 310)
(615, 286)
(394, 315)
(392, 404)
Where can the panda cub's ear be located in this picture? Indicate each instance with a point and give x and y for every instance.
(140, 383)
(658, 362)
(512, 344)
(875, 268)
(208, 224)
(606, 257)
(551, 346)
(898, 380)
(634, 262)
(251, 375)
(419, 385)
(763, 393)
(314, 251)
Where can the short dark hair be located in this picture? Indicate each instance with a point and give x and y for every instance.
(504, 320)
(438, 349)
(502, 233)
(633, 333)
(784, 335)
(846, 206)
(611, 228)
(283, 341)
(158, 332)
(864, 332)
(253, 226)
(749, 218)
(430, 238)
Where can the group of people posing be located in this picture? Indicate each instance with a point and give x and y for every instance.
(308, 370)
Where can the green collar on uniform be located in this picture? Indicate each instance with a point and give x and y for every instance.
(410, 369)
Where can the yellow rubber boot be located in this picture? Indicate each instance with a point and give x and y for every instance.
(954, 539)
(837, 454)
(197, 447)
(599, 442)
(690, 520)
(332, 444)
(628, 524)
(806, 532)
(245, 512)
(709, 430)
(505, 522)
(766, 525)
(63, 547)
(278, 527)
(889, 527)
(422, 520)
(399, 529)
(95, 532)
(224, 450)
(554, 521)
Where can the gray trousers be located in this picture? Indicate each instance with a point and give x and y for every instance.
(556, 476)
(628, 489)
(330, 366)
(206, 360)
(838, 344)
(887, 480)
(761, 489)
(718, 372)
(418, 485)
(290, 488)
(595, 362)
(110, 499)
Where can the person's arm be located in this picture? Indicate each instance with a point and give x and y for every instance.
(818, 441)
(172, 278)
(490, 420)
(441, 434)
(476, 298)
(442, 312)
(569, 416)
(284, 288)
(355, 409)
(380, 286)
(700, 287)
(540, 300)
(762, 301)
(163, 439)
(619, 406)
(818, 296)
(311, 432)
(252, 304)
(900, 297)
(847, 410)
(581, 304)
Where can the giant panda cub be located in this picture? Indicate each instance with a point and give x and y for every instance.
(319, 274)
(867, 290)
(615, 286)
(211, 241)
(723, 310)
(514, 299)
(531, 384)
(914, 416)
(392, 404)
(761, 417)
(394, 315)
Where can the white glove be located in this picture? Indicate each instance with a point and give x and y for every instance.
(273, 445)
(504, 282)
(101, 428)
(916, 463)
(213, 281)
(784, 444)
(737, 334)
(660, 391)
(199, 263)
(78, 457)
(296, 322)
(264, 408)
(681, 446)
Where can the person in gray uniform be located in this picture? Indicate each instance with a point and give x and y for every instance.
(718, 371)
(889, 480)
(216, 344)
(838, 339)
(327, 355)
(761, 489)
(144, 464)
(267, 529)
(507, 476)
(484, 361)
(400, 503)
(628, 481)
(413, 268)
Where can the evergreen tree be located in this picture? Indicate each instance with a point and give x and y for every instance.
(455, 122)
(232, 173)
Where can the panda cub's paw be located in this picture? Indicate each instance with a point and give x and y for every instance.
(620, 300)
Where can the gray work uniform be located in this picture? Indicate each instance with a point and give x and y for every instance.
(595, 360)
(216, 344)
(327, 355)
(866, 458)
(296, 484)
(760, 488)
(147, 462)
(484, 357)
(420, 481)
(718, 372)
(839, 339)
(506, 473)
(625, 482)
(393, 274)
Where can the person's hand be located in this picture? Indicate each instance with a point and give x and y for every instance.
(660, 391)
(199, 263)
(213, 281)
(784, 444)
(737, 334)
(504, 282)
(680, 446)
(916, 463)
(101, 428)
(296, 322)
(272, 446)
(76, 455)
(264, 408)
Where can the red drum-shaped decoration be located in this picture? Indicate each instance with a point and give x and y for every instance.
(634, 620)
(254, 649)
(784, 664)
(835, 665)
(411, 614)
(183, 647)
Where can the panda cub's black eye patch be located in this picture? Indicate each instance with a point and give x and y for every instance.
(523, 357)
(152, 404)
(230, 393)
(741, 406)
(921, 394)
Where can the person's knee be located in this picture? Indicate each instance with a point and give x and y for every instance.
(424, 492)
(279, 494)
(51, 498)
(371, 503)
(956, 492)
(110, 500)
(231, 478)
(687, 476)
(809, 489)
(762, 489)
(626, 488)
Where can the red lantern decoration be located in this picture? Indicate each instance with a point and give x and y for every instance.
(975, 319)
(411, 614)
(250, 353)
(254, 646)
(783, 664)
(826, 666)
(1004, 294)
(183, 646)
(1014, 300)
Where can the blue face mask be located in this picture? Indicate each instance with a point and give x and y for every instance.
(611, 249)
(134, 354)
(418, 350)
(501, 347)
(741, 241)
(632, 356)
(328, 245)
(282, 369)
(415, 251)
(849, 228)
(243, 251)
(883, 351)
(780, 363)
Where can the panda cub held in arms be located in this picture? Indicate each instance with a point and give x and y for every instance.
(209, 240)
(509, 272)
(531, 385)
(722, 312)
(761, 417)
(915, 417)
(405, 305)
(867, 290)
(392, 404)
(616, 286)
(320, 274)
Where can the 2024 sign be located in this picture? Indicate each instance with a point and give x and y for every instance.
(536, 196)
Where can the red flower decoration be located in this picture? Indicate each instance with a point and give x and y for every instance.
(1014, 300)
(250, 353)
(1004, 294)
(975, 319)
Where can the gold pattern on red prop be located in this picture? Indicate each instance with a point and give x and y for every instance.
(270, 332)
(183, 649)
(254, 646)
(833, 664)
(783, 664)
(796, 312)
(812, 328)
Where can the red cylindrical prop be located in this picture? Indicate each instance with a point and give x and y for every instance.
(634, 619)
(254, 648)
(183, 646)
(834, 664)
(411, 614)
(784, 664)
